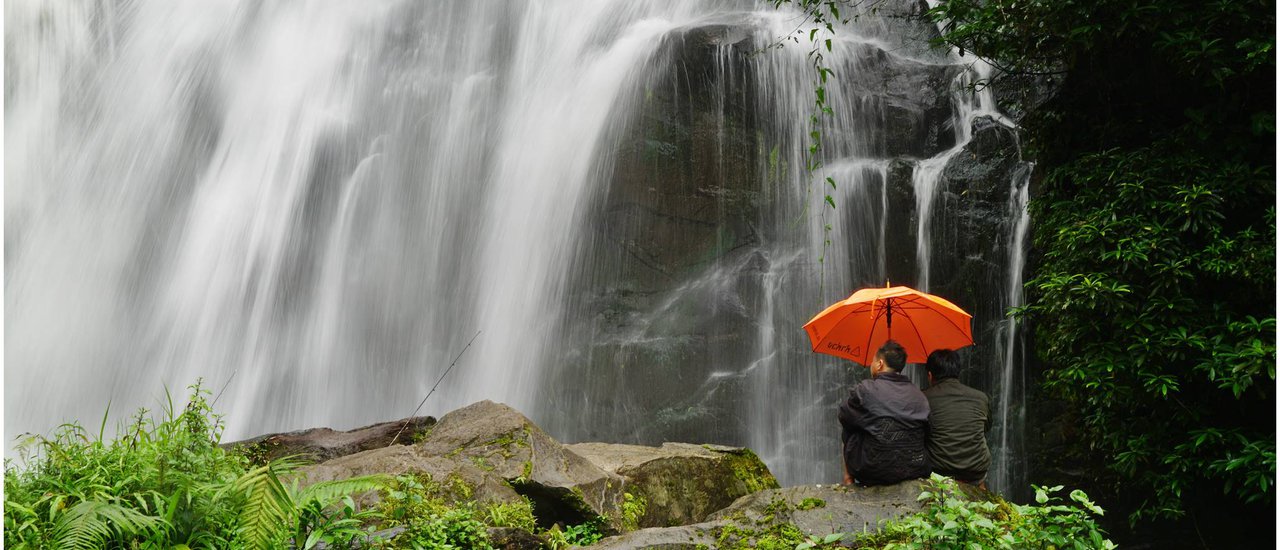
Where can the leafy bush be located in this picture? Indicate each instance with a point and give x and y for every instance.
(165, 483)
(442, 514)
(158, 481)
(953, 520)
(1154, 300)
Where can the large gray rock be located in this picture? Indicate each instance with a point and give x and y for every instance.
(564, 487)
(482, 486)
(681, 483)
(825, 509)
(815, 510)
(321, 444)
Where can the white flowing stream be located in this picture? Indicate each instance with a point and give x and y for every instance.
(318, 204)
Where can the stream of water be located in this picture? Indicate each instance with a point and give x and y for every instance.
(316, 205)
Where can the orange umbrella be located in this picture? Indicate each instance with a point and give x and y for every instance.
(854, 328)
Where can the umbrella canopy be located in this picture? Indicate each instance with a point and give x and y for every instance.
(854, 328)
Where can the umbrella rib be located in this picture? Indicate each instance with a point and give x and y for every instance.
(915, 329)
(871, 333)
(916, 300)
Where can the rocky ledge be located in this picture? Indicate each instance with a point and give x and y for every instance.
(678, 495)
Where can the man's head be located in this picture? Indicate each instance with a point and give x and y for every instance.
(943, 364)
(892, 356)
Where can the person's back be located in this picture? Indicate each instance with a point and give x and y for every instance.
(885, 423)
(959, 417)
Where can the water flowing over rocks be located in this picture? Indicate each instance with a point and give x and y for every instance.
(614, 192)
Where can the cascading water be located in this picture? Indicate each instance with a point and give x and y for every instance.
(319, 205)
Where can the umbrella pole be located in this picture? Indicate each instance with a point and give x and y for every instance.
(888, 316)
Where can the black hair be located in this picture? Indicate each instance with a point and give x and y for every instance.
(894, 356)
(943, 363)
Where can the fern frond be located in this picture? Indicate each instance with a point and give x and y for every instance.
(267, 510)
(90, 523)
(326, 493)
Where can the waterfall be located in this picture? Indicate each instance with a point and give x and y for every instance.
(1009, 406)
(318, 205)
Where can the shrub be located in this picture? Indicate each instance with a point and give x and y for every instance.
(165, 483)
(953, 520)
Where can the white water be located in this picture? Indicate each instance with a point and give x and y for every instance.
(319, 204)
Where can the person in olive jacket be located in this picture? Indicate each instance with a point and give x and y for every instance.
(959, 417)
(884, 424)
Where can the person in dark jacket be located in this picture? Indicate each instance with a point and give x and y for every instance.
(959, 417)
(884, 424)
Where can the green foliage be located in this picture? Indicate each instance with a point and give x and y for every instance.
(1154, 299)
(1173, 386)
(633, 508)
(427, 510)
(585, 533)
(451, 528)
(272, 512)
(833, 540)
(518, 515)
(165, 483)
(953, 520)
(442, 514)
(811, 503)
(341, 526)
(157, 482)
(772, 535)
(751, 471)
(93, 524)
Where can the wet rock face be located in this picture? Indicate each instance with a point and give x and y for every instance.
(669, 298)
(671, 268)
(1018, 95)
(683, 191)
(971, 216)
(913, 99)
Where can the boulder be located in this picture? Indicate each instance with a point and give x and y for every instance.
(482, 486)
(681, 483)
(508, 538)
(564, 487)
(1018, 95)
(783, 514)
(321, 444)
(984, 168)
(821, 510)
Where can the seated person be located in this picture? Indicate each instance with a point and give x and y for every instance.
(884, 424)
(959, 417)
